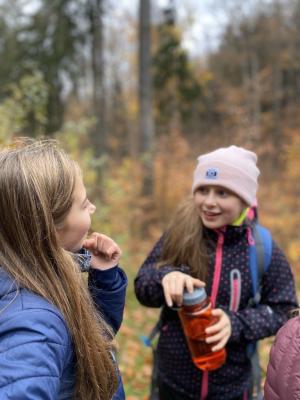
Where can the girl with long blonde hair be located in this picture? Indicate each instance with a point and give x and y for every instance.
(55, 332)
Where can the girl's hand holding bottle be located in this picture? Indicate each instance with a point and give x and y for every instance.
(174, 284)
(105, 252)
(219, 332)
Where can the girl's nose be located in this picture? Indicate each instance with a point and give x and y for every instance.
(210, 200)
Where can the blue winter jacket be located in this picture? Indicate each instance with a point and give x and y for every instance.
(36, 352)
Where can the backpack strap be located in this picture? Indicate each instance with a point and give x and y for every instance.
(260, 252)
(263, 242)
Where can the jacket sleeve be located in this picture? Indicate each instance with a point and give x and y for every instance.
(278, 296)
(147, 284)
(108, 290)
(34, 348)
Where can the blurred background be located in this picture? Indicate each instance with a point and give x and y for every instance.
(135, 91)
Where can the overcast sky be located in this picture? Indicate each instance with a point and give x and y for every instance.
(202, 20)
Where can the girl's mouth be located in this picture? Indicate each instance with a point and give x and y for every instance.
(208, 214)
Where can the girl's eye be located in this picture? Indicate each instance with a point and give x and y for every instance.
(223, 193)
(202, 190)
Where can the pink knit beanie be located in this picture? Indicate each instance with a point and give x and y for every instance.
(232, 167)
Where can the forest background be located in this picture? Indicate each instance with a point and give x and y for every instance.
(135, 91)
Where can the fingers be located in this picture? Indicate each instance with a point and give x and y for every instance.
(220, 332)
(88, 243)
(176, 288)
(221, 344)
(167, 294)
(101, 244)
(174, 284)
(218, 325)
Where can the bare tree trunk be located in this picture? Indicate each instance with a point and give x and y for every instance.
(277, 86)
(277, 95)
(145, 96)
(256, 100)
(99, 133)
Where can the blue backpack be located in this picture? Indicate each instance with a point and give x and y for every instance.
(260, 253)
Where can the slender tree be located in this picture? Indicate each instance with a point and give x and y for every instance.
(53, 39)
(99, 133)
(145, 95)
(178, 96)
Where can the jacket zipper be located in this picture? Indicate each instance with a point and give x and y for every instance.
(214, 293)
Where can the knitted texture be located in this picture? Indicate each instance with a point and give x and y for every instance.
(233, 168)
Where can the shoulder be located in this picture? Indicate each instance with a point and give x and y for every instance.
(286, 347)
(273, 255)
(28, 316)
(34, 343)
(287, 334)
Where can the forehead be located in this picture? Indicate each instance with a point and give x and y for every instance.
(79, 193)
(218, 188)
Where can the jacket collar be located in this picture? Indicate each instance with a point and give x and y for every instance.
(231, 233)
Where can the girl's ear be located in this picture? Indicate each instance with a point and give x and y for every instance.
(59, 227)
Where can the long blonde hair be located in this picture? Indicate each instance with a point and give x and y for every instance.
(183, 242)
(36, 187)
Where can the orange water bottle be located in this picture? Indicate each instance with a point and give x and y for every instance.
(195, 315)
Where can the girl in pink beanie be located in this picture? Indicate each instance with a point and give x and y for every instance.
(208, 244)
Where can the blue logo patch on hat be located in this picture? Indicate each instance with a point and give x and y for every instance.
(212, 173)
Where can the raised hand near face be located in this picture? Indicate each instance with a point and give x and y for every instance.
(105, 252)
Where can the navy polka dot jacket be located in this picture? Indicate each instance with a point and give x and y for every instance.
(176, 369)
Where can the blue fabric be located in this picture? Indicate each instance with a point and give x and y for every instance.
(36, 351)
(120, 394)
(266, 239)
(253, 268)
(107, 290)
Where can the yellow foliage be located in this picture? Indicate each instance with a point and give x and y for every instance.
(28, 96)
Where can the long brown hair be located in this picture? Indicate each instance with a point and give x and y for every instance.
(183, 241)
(36, 187)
